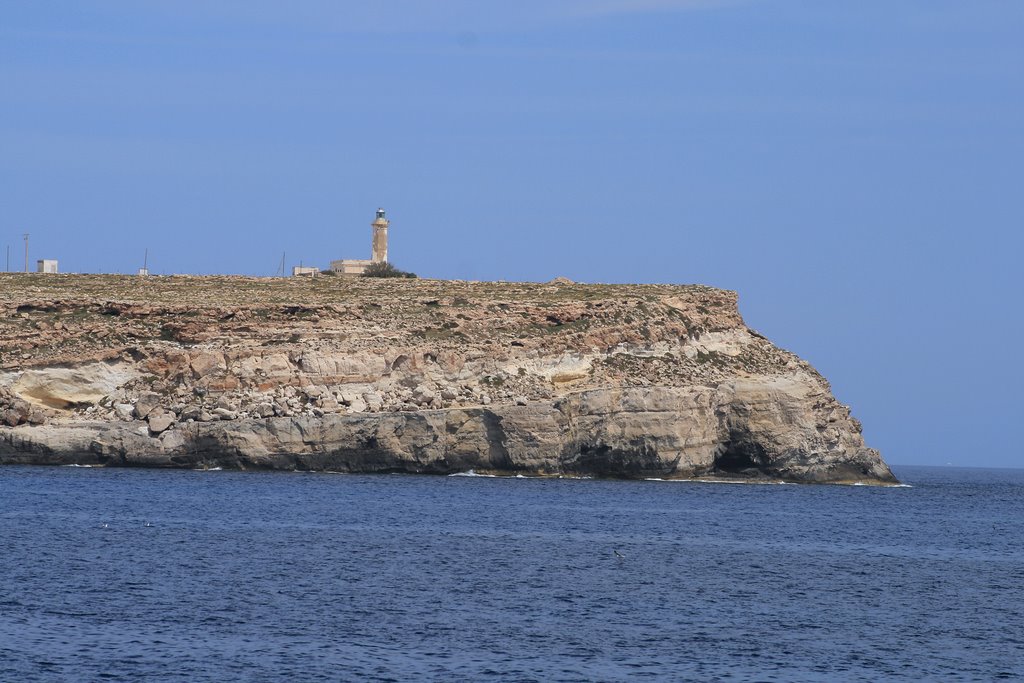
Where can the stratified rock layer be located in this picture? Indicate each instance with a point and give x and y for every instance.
(360, 375)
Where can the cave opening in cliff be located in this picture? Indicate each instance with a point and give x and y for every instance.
(601, 460)
(741, 456)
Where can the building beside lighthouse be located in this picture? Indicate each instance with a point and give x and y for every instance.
(378, 254)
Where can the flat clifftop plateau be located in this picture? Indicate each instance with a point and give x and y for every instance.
(372, 375)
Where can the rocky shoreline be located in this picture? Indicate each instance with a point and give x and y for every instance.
(358, 375)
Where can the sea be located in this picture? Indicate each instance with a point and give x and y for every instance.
(152, 575)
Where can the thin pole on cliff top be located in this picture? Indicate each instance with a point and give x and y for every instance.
(26, 252)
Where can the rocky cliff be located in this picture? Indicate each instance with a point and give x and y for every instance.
(368, 375)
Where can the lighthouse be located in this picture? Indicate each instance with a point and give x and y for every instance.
(379, 253)
(380, 238)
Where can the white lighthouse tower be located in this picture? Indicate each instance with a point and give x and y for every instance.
(380, 238)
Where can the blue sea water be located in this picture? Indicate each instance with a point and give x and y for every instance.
(130, 575)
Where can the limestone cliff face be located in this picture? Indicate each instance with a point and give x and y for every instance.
(411, 376)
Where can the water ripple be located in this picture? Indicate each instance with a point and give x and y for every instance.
(233, 576)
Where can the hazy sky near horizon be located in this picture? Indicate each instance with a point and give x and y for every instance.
(853, 169)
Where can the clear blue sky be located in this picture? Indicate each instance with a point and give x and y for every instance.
(853, 169)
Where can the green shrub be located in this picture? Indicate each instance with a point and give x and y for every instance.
(385, 269)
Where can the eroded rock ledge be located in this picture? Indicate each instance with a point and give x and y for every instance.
(411, 376)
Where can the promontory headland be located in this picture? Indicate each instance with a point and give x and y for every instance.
(402, 375)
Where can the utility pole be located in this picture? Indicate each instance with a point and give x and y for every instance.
(8, 269)
(26, 252)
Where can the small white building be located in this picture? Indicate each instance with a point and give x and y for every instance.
(46, 265)
(305, 271)
(350, 266)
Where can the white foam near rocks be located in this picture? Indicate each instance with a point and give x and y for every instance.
(471, 473)
(726, 481)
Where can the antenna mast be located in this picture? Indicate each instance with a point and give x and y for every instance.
(26, 252)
